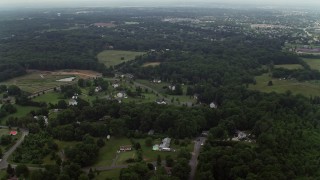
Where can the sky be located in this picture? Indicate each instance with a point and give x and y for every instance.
(114, 3)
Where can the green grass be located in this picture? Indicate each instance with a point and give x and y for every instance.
(123, 156)
(289, 66)
(4, 132)
(309, 88)
(64, 144)
(111, 174)
(313, 63)
(50, 97)
(33, 82)
(21, 112)
(108, 152)
(113, 57)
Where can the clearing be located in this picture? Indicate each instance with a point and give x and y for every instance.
(314, 63)
(38, 81)
(115, 57)
(307, 88)
(151, 64)
(289, 66)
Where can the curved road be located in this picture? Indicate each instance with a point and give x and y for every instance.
(4, 162)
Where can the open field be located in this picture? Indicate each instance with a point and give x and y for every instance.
(310, 88)
(289, 66)
(4, 132)
(50, 97)
(151, 64)
(108, 152)
(313, 63)
(111, 174)
(37, 81)
(21, 111)
(123, 156)
(113, 57)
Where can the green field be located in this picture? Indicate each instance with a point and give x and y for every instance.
(310, 88)
(111, 174)
(289, 66)
(51, 97)
(37, 81)
(113, 57)
(108, 152)
(4, 132)
(21, 111)
(313, 63)
(123, 156)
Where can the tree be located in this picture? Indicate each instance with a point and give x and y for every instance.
(100, 142)
(159, 160)
(14, 90)
(62, 104)
(36, 175)
(91, 174)
(149, 142)
(10, 170)
(23, 170)
(169, 161)
(270, 83)
(181, 169)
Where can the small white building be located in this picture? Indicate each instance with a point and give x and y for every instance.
(172, 87)
(115, 85)
(213, 105)
(73, 102)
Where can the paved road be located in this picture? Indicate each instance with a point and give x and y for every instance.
(4, 161)
(195, 154)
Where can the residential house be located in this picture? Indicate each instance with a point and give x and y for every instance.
(126, 148)
(165, 145)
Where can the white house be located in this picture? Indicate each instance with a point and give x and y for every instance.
(73, 102)
(213, 105)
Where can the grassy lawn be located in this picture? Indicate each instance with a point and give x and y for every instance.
(64, 144)
(109, 151)
(21, 111)
(309, 88)
(51, 97)
(289, 66)
(313, 63)
(156, 86)
(152, 64)
(113, 57)
(123, 156)
(111, 174)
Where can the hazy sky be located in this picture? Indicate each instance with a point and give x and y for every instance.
(79, 3)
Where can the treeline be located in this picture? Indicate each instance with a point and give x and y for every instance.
(8, 71)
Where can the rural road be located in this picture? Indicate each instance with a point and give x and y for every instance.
(194, 159)
(4, 161)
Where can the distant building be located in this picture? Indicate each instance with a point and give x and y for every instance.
(98, 89)
(159, 101)
(13, 133)
(172, 87)
(165, 145)
(73, 102)
(126, 148)
(213, 105)
(115, 85)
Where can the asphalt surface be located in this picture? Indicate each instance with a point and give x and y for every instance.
(195, 154)
(4, 162)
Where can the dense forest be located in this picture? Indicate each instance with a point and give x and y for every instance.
(216, 64)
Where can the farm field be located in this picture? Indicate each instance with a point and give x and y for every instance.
(37, 81)
(151, 64)
(309, 88)
(113, 57)
(289, 66)
(314, 63)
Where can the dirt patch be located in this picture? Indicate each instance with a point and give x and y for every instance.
(151, 64)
